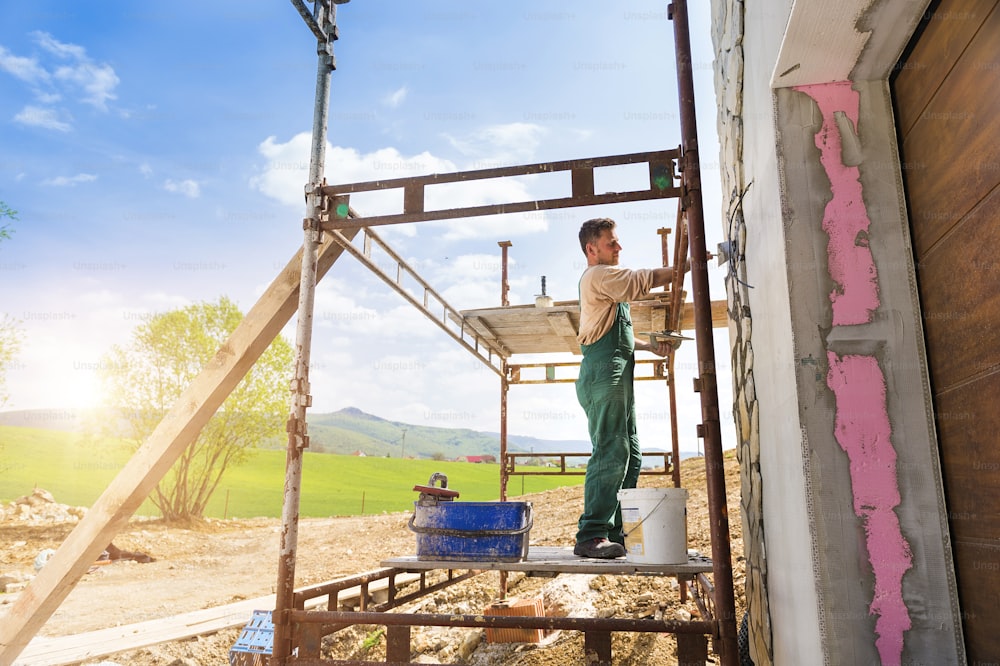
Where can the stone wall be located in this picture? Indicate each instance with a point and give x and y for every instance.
(727, 37)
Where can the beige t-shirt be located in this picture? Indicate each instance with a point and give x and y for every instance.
(601, 289)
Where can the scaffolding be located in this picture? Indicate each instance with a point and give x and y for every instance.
(493, 337)
(329, 229)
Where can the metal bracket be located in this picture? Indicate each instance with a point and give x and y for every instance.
(337, 207)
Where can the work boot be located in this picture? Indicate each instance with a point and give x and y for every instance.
(599, 548)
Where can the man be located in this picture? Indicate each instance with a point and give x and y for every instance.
(604, 387)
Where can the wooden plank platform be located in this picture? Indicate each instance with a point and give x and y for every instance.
(73, 649)
(548, 561)
(528, 329)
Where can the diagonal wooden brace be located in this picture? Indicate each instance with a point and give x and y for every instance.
(178, 429)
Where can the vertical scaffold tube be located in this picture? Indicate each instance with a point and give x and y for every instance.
(301, 398)
(722, 568)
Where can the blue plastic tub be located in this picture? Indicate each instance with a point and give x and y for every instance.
(477, 531)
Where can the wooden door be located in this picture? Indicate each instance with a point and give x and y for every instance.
(947, 95)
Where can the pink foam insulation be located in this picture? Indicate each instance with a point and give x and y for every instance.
(863, 431)
(845, 219)
(861, 423)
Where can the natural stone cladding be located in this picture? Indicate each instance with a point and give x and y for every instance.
(727, 38)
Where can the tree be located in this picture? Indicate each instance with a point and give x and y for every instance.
(10, 344)
(8, 212)
(144, 378)
(10, 334)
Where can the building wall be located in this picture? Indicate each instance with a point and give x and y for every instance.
(746, 131)
(844, 521)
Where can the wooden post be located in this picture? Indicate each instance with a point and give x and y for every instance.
(150, 463)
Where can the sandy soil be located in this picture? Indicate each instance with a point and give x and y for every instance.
(219, 562)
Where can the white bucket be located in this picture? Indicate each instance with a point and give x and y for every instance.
(655, 524)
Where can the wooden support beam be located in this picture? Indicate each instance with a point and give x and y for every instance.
(562, 325)
(150, 463)
(482, 329)
(720, 315)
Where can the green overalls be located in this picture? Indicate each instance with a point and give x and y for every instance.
(604, 389)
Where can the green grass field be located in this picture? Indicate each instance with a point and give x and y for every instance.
(76, 469)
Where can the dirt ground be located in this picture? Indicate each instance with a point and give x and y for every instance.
(222, 561)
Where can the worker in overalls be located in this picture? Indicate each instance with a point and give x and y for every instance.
(604, 386)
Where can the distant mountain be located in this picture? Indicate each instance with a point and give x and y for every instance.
(67, 420)
(351, 430)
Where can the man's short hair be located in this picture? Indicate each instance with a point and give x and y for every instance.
(591, 230)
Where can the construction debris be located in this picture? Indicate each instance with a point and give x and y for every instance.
(40, 508)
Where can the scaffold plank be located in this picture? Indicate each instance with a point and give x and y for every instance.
(543, 560)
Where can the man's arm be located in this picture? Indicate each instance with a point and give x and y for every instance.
(661, 348)
(662, 276)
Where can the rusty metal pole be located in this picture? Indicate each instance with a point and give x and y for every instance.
(675, 457)
(706, 383)
(664, 233)
(323, 24)
(675, 448)
(504, 389)
(504, 282)
(504, 382)
(674, 442)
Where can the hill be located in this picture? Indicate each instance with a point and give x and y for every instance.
(76, 468)
(63, 420)
(348, 431)
(345, 431)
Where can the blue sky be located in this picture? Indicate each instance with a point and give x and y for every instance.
(156, 156)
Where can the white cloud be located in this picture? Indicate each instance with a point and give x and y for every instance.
(287, 167)
(287, 171)
(345, 308)
(94, 83)
(26, 69)
(492, 227)
(97, 81)
(47, 97)
(70, 181)
(161, 301)
(101, 298)
(188, 188)
(145, 170)
(395, 98)
(36, 116)
(511, 143)
(57, 48)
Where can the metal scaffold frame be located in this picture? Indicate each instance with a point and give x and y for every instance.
(329, 211)
(329, 228)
